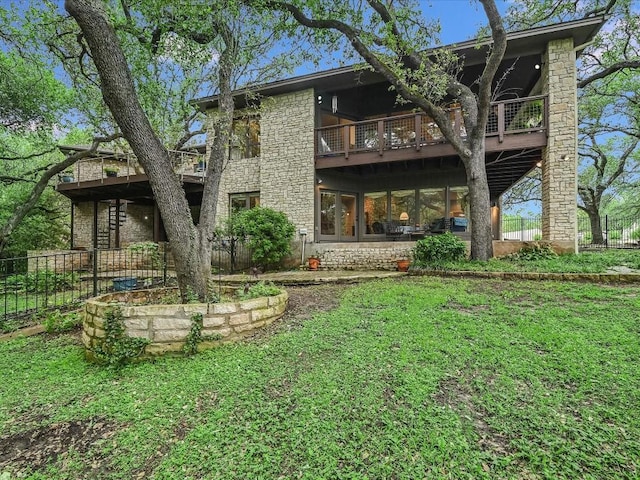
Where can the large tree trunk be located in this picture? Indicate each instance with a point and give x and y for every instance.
(190, 247)
(596, 226)
(480, 204)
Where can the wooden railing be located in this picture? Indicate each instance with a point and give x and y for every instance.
(419, 130)
(127, 165)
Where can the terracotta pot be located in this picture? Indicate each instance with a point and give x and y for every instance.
(313, 263)
(403, 265)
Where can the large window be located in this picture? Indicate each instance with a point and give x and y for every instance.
(403, 203)
(243, 201)
(245, 142)
(375, 212)
(432, 205)
(423, 209)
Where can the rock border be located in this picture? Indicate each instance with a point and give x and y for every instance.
(167, 326)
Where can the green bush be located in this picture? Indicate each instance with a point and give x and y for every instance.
(635, 235)
(266, 232)
(534, 251)
(438, 249)
(58, 322)
(260, 289)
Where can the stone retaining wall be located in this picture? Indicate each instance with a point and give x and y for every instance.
(384, 255)
(167, 326)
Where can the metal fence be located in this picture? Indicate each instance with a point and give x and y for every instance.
(31, 286)
(613, 232)
(36, 284)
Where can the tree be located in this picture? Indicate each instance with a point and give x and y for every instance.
(392, 41)
(608, 104)
(218, 26)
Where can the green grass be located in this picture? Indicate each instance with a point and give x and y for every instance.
(407, 379)
(585, 262)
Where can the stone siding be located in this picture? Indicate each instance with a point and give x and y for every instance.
(287, 167)
(167, 326)
(361, 256)
(559, 164)
(240, 176)
(134, 228)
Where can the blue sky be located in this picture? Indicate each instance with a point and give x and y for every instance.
(460, 19)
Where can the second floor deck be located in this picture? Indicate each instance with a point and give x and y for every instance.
(513, 124)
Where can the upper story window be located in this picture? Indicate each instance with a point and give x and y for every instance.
(246, 138)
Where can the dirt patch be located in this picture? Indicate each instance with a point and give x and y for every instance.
(34, 449)
(304, 302)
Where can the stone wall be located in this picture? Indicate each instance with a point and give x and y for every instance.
(240, 176)
(559, 164)
(167, 326)
(362, 255)
(58, 261)
(384, 255)
(134, 228)
(287, 167)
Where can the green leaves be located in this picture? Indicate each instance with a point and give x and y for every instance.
(268, 233)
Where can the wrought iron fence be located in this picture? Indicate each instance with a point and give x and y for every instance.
(36, 284)
(230, 255)
(613, 232)
(604, 232)
(523, 229)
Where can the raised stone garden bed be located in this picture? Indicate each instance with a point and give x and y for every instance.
(167, 327)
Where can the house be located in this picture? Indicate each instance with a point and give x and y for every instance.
(362, 176)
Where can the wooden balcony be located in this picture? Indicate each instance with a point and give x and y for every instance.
(513, 124)
(113, 175)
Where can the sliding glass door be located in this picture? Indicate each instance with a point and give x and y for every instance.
(338, 216)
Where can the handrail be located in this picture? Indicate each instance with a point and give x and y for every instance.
(418, 129)
(92, 168)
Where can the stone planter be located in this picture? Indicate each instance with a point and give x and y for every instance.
(167, 326)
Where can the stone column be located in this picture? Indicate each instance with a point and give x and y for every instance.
(287, 166)
(560, 157)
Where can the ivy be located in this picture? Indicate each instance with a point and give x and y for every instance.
(195, 336)
(117, 349)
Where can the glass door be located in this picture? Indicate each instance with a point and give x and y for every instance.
(348, 220)
(338, 216)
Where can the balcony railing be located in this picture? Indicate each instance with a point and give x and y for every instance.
(101, 167)
(417, 130)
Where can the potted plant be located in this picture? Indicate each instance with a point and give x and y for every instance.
(403, 264)
(111, 171)
(314, 262)
(199, 167)
(66, 176)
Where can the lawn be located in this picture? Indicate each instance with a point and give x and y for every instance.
(410, 378)
(584, 262)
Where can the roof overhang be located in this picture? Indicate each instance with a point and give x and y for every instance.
(519, 44)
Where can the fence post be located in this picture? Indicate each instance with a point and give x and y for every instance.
(164, 266)
(606, 229)
(95, 272)
(522, 229)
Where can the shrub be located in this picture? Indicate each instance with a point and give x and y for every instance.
(534, 251)
(57, 322)
(438, 249)
(260, 289)
(635, 235)
(266, 232)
